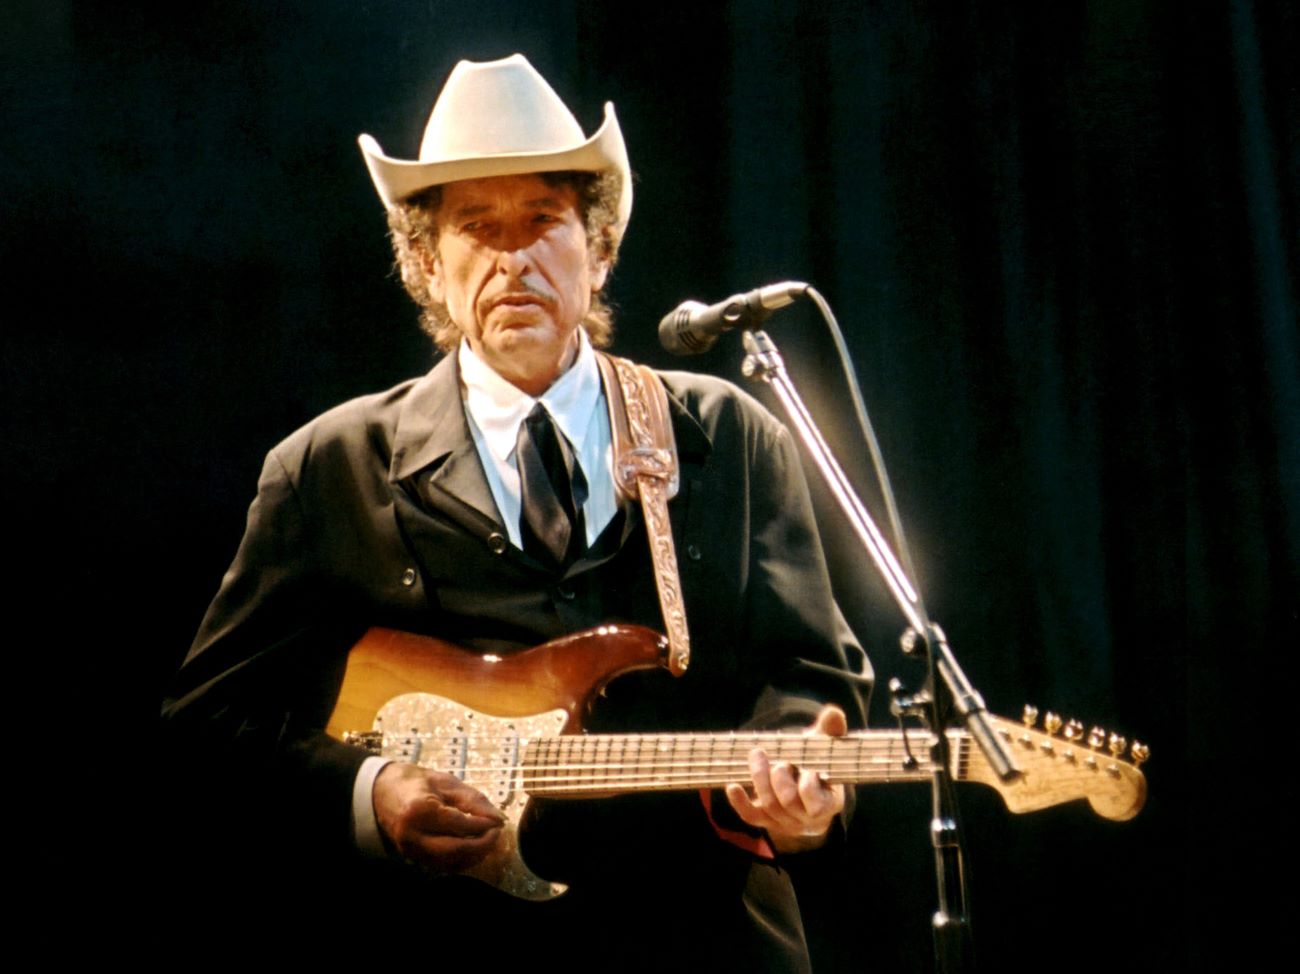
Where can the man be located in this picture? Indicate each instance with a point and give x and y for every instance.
(418, 508)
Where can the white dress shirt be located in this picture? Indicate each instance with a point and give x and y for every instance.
(576, 403)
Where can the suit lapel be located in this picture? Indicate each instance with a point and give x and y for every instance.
(434, 453)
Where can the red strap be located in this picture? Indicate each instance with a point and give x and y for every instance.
(756, 845)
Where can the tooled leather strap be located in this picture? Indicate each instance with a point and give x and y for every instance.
(645, 467)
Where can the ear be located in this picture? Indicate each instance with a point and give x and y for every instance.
(433, 271)
(599, 268)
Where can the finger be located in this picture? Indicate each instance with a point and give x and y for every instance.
(744, 807)
(471, 801)
(447, 854)
(819, 799)
(830, 721)
(785, 786)
(760, 773)
(455, 793)
(432, 815)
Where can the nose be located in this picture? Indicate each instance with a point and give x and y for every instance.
(514, 262)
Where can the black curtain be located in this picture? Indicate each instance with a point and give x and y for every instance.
(1062, 241)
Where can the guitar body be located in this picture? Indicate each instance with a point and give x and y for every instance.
(470, 714)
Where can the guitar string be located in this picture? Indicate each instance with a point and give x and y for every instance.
(735, 772)
(651, 771)
(627, 752)
(719, 773)
(640, 750)
(848, 768)
(688, 764)
(613, 765)
(702, 766)
(688, 779)
(654, 780)
(542, 773)
(596, 748)
(521, 778)
(650, 745)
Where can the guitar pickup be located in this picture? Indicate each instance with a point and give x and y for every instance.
(456, 755)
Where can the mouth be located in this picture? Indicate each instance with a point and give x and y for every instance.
(521, 299)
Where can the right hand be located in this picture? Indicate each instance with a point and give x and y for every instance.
(434, 819)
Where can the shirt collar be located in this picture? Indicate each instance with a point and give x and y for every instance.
(498, 407)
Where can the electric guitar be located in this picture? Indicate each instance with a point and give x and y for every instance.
(510, 726)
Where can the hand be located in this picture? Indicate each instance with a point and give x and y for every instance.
(795, 807)
(434, 820)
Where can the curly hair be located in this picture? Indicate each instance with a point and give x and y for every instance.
(413, 228)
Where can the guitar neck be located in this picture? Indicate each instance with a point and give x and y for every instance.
(596, 764)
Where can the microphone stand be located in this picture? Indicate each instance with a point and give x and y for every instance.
(952, 692)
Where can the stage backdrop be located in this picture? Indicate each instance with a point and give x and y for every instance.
(1062, 242)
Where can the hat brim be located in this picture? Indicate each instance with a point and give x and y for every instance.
(396, 179)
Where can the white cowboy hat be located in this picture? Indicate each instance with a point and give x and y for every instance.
(500, 118)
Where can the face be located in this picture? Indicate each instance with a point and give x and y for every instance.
(514, 272)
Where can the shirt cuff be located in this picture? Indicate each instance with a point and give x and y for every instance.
(365, 827)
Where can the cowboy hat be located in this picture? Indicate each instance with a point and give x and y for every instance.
(500, 118)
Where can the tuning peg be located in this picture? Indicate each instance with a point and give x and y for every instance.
(1096, 738)
(1073, 730)
(1029, 716)
(1116, 744)
(1139, 752)
(1052, 722)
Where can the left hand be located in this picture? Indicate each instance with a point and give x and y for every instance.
(794, 806)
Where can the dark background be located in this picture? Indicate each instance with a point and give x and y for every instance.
(1062, 242)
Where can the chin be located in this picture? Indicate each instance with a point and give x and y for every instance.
(531, 336)
(532, 332)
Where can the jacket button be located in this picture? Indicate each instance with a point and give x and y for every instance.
(408, 577)
(497, 542)
(693, 553)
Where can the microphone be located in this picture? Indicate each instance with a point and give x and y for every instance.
(691, 328)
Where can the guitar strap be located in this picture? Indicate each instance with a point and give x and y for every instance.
(645, 468)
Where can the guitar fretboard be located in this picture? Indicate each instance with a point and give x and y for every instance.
(594, 764)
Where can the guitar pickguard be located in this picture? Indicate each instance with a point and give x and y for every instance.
(483, 751)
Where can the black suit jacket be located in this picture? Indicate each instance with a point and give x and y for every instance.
(378, 513)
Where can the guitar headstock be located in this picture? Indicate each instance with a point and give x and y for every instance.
(1059, 762)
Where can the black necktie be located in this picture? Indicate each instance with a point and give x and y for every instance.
(552, 492)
